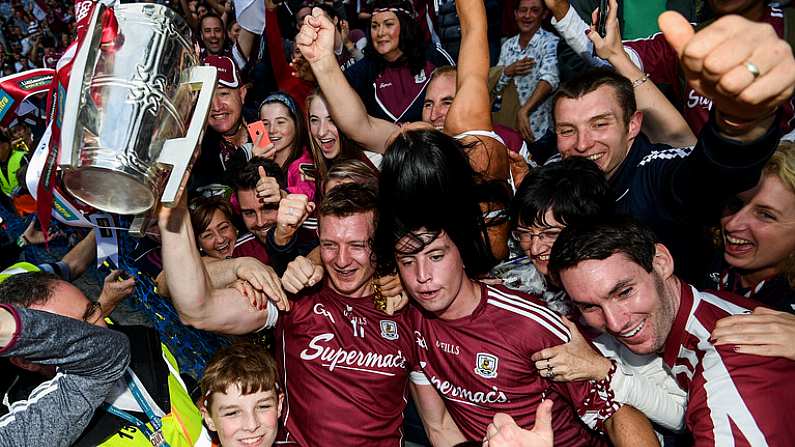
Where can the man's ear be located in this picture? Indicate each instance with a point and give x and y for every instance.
(243, 91)
(634, 125)
(663, 262)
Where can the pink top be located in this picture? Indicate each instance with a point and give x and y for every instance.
(300, 176)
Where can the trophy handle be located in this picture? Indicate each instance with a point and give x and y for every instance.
(71, 105)
(174, 150)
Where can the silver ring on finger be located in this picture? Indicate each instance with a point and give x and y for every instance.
(753, 69)
(548, 366)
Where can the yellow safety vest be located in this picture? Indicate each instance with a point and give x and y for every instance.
(8, 179)
(182, 424)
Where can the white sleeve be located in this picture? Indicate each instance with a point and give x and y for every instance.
(572, 29)
(419, 378)
(643, 382)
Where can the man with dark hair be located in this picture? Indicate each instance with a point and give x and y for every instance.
(338, 355)
(680, 191)
(168, 412)
(623, 282)
(213, 37)
(276, 235)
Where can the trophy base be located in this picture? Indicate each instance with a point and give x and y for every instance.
(108, 190)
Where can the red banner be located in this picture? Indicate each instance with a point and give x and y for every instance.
(15, 89)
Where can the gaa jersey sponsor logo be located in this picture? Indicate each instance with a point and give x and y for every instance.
(389, 330)
(319, 309)
(420, 339)
(460, 394)
(486, 365)
(333, 357)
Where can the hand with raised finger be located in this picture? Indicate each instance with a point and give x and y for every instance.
(765, 332)
(742, 65)
(293, 211)
(315, 40)
(300, 274)
(573, 361)
(267, 188)
(505, 432)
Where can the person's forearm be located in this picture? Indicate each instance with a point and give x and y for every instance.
(628, 427)
(446, 434)
(81, 255)
(221, 272)
(540, 93)
(245, 42)
(572, 29)
(216, 6)
(187, 280)
(559, 8)
(743, 131)
(347, 108)
(662, 122)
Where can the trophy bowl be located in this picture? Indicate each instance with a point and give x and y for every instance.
(135, 111)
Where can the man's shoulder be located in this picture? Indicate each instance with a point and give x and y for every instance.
(522, 312)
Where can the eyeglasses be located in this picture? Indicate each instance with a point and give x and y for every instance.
(525, 235)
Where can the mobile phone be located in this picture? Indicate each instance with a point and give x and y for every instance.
(256, 129)
(601, 21)
(110, 266)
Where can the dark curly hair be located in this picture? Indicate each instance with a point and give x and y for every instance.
(412, 40)
(427, 183)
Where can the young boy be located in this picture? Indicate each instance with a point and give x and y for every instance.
(241, 402)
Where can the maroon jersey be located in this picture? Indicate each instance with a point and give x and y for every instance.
(345, 368)
(481, 365)
(248, 245)
(661, 62)
(733, 399)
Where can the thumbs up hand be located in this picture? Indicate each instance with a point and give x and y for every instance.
(743, 66)
(267, 189)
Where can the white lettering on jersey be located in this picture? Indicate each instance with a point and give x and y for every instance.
(321, 310)
(694, 100)
(420, 340)
(465, 396)
(356, 360)
(448, 347)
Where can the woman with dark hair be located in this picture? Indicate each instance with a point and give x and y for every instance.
(392, 77)
(285, 127)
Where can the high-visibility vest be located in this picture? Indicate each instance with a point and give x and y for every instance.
(19, 267)
(182, 424)
(8, 179)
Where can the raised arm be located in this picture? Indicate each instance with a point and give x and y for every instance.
(316, 42)
(199, 305)
(662, 123)
(471, 108)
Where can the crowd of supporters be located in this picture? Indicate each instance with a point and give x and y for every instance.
(419, 222)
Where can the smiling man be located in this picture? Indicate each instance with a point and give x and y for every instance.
(226, 144)
(344, 365)
(680, 192)
(622, 280)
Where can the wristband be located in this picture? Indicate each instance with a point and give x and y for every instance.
(640, 81)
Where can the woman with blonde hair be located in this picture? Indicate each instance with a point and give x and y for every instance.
(758, 232)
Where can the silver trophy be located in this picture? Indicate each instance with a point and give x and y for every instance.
(135, 112)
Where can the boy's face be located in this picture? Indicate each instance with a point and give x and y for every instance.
(250, 420)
